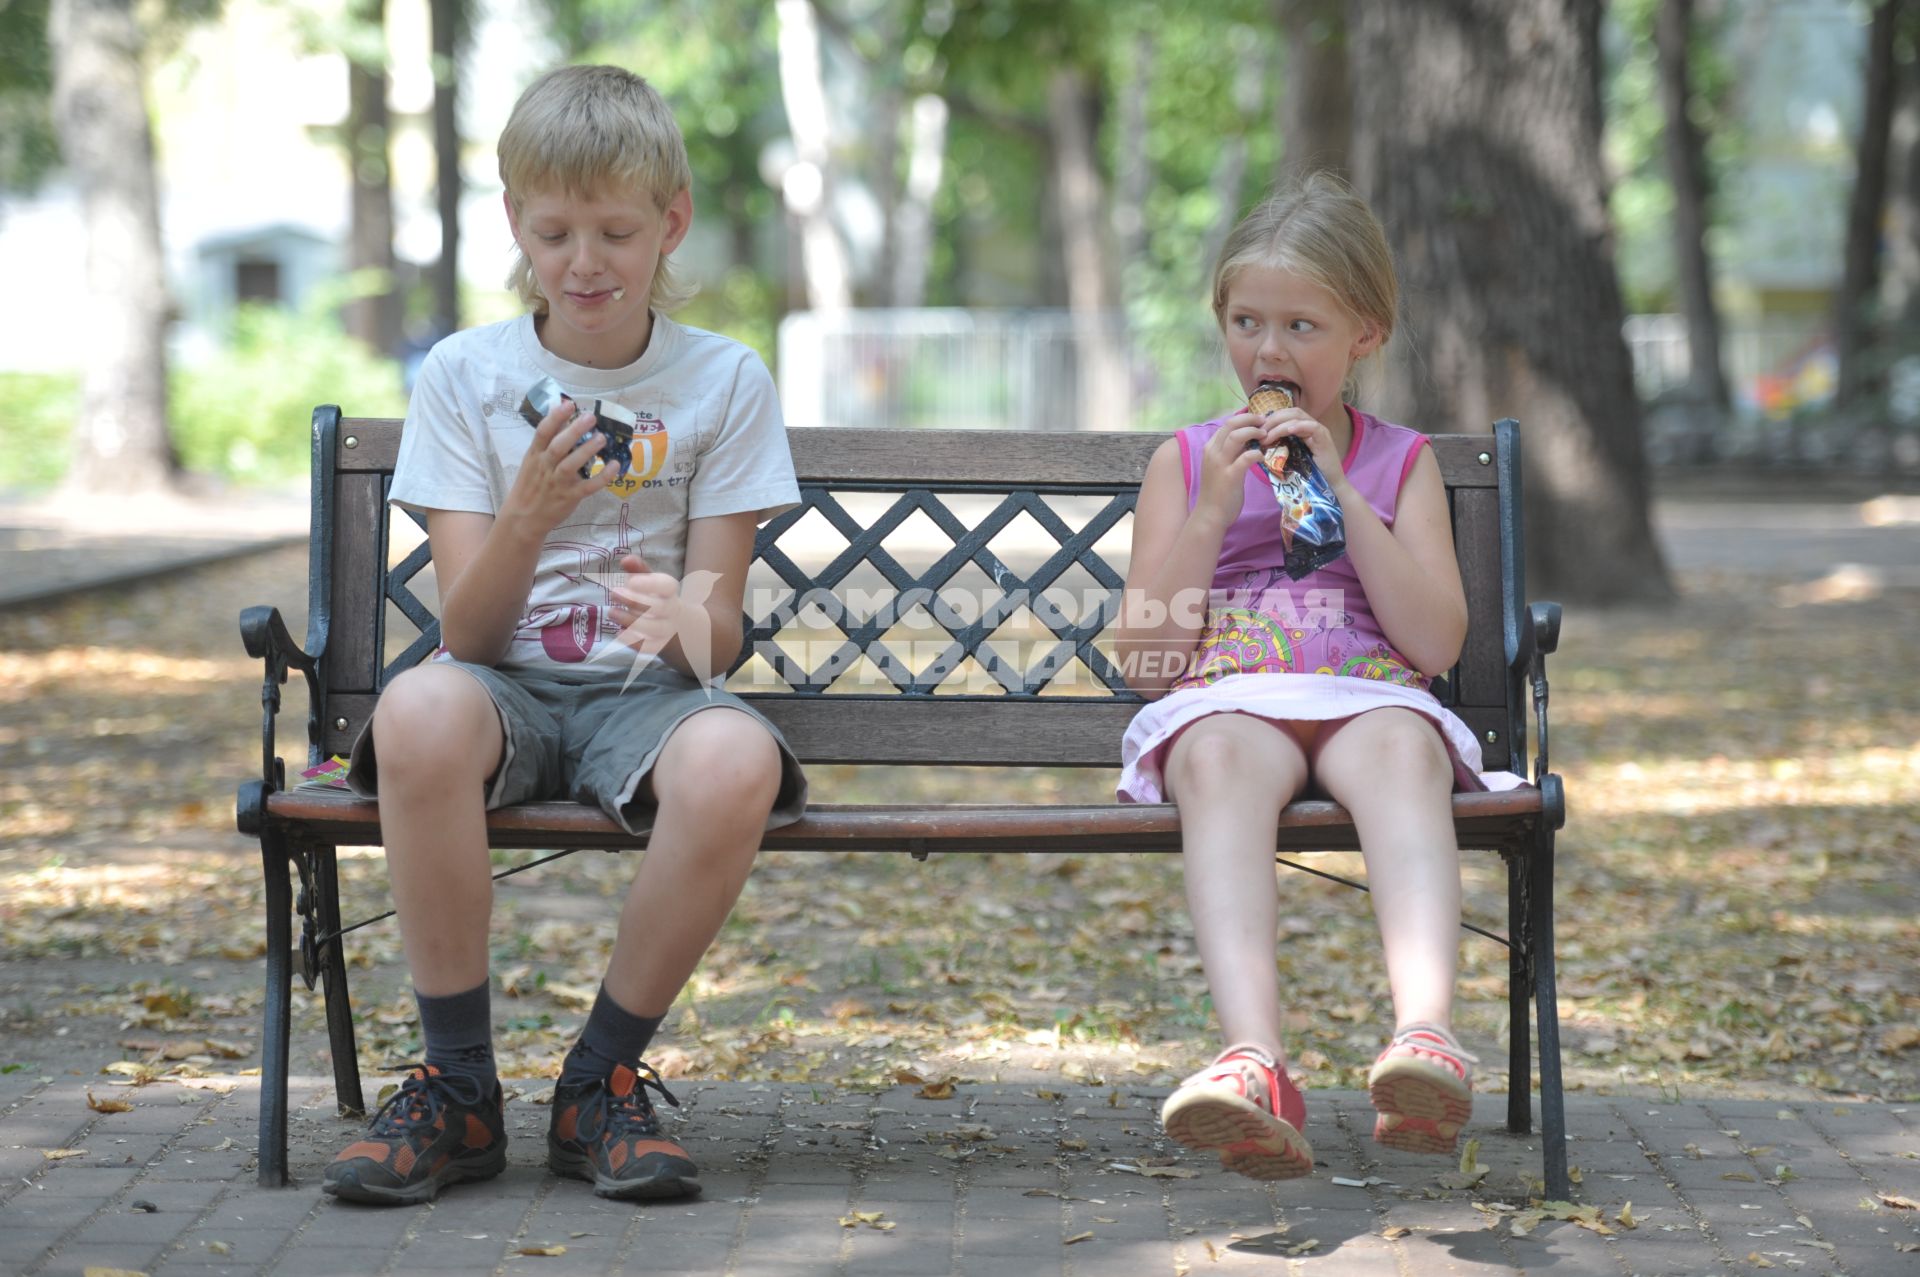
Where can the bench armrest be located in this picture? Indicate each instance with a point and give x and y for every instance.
(266, 638)
(1539, 635)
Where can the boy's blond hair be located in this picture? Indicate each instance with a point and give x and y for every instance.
(590, 130)
(1321, 230)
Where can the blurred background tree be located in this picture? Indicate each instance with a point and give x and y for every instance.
(1052, 180)
(99, 115)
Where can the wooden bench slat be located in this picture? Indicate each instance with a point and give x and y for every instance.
(353, 643)
(934, 457)
(1310, 825)
(1054, 732)
(1482, 673)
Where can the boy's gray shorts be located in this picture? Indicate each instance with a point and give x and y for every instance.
(593, 739)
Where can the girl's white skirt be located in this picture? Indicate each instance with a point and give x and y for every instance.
(1284, 698)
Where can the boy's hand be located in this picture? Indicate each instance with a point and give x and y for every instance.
(653, 610)
(549, 486)
(647, 606)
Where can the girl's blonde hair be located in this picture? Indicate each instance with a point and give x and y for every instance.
(1321, 230)
(588, 130)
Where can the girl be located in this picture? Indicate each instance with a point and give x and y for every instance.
(1264, 686)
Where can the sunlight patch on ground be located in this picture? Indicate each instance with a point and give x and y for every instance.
(24, 673)
(95, 886)
(1873, 777)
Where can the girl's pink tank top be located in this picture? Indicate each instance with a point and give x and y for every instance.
(1261, 621)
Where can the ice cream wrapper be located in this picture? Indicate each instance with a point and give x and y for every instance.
(1311, 528)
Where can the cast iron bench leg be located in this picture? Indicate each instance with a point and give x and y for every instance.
(1519, 994)
(333, 973)
(1553, 1113)
(273, 1047)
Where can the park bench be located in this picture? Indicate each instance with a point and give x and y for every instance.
(863, 494)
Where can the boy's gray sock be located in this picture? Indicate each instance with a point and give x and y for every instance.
(613, 1035)
(458, 1030)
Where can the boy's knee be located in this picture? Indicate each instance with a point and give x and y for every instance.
(719, 757)
(433, 718)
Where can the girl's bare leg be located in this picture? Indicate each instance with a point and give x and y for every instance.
(715, 780)
(1389, 768)
(1231, 774)
(437, 738)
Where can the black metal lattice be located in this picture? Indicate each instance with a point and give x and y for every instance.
(863, 633)
(410, 605)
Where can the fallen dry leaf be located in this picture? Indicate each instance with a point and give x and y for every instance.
(107, 1106)
(545, 1252)
(1155, 1172)
(1078, 1237)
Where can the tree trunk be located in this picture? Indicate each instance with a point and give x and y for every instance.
(373, 318)
(808, 184)
(1481, 154)
(1230, 169)
(1100, 366)
(1687, 172)
(1133, 167)
(913, 214)
(887, 105)
(1900, 275)
(1316, 98)
(1852, 305)
(120, 439)
(449, 37)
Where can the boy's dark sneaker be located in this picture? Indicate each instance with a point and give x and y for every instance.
(606, 1131)
(435, 1130)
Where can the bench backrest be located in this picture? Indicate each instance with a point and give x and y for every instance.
(940, 596)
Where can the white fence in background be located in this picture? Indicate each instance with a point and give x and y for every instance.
(959, 369)
(1777, 362)
(1015, 369)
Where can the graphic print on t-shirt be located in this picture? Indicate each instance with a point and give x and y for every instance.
(649, 455)
(568, 632)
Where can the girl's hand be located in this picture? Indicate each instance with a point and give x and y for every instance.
(1297, 423)
(549, 487)
(1224, 464)
(647, 606)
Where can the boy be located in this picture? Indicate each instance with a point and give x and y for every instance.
(584, 609)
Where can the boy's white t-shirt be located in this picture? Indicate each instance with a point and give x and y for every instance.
(710, 441)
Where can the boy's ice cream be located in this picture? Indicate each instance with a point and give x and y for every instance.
(610, 419)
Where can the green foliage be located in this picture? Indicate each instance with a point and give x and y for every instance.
(28, 150)
(36, 416)
(244, 414)
(743, 306)
(1636, 141)
(1191, 120)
